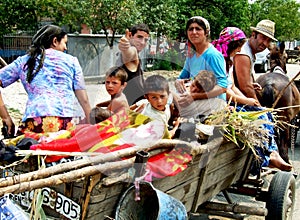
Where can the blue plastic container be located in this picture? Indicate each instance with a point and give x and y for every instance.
(153, 205)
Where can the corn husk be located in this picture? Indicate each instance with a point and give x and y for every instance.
(245, 129)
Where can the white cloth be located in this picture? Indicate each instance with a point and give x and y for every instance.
(154, 113)
(246, 50)
(201, 107)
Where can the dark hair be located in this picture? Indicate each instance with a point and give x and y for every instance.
(233, 45)
(139, 27)
(197, 20)
(282, 47)
(42, 40)
(99, 114)
(117, 72)
(202, 22)
(205, 80)
(156, 83)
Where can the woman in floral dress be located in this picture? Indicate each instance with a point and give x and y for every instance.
(53, 80)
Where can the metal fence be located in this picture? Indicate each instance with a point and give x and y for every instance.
(15, 45)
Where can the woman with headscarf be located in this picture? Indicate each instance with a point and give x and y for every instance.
(53, 81)
(201, 55)
(230, 42)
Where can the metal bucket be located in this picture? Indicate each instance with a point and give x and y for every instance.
(153, 205)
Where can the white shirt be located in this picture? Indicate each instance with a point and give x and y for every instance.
(154, 113)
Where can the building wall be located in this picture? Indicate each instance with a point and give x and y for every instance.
(93, 53)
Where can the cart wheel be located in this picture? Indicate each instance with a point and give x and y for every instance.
(281, 196)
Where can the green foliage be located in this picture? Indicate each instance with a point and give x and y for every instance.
(171, 60)
(160, 16)
(166, 17)
(17, 14)
(285, 13)
(222, 13)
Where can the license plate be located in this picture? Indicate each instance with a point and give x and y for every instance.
(56, 201)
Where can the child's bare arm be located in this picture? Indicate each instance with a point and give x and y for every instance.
(137, 108)
(117, 104)
(176, 124)
(103, 104)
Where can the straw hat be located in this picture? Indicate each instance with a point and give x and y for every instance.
(265, 27)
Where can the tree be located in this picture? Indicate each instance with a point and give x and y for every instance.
(167, 17)
(222, 13)
(17, 15)
(285, 13)
(110, 16)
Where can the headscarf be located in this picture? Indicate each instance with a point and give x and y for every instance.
(228, 35)
(199, 20)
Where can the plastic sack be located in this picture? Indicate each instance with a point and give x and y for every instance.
(11, 211)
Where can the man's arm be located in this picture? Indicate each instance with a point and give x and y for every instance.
(129, 53)
(242, 65)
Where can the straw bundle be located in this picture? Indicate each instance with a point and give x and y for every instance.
(245, 129)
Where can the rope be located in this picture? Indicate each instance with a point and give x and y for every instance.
(282, 91)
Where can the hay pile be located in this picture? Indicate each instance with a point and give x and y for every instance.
(245, 129)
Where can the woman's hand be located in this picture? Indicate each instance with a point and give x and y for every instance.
(252, 102)
(185, 99)
(179, 85)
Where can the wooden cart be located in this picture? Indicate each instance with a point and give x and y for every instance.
(217, 166)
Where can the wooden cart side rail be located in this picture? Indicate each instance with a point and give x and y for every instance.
(208, 180)
(99, 200)
(55, 175)
(87, 161)
(227, 168)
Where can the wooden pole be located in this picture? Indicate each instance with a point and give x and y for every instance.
(66, 177)
(73, 165)
(235, 208)
(282, 91)
(2, 62)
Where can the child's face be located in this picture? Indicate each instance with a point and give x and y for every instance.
(113, 85)
(158, 99)
(194, 88)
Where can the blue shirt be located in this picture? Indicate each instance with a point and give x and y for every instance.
(211, 60)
